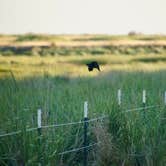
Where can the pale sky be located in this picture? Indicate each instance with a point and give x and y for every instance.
(83, 16)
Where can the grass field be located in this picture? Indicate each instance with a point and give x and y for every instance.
(49, 72)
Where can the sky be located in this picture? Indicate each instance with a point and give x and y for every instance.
(82, 16)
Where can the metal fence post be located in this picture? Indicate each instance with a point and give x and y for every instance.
(144, 98)
(144, 102)
(119, 97)
(39, 113)
(165, 98)
(85, 132)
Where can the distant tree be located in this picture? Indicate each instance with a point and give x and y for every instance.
(132, 33)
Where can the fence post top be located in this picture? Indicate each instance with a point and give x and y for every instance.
(85, 109)
(119, 97)
(39, 112)
(144, 96)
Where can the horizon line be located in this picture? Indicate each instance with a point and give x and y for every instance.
(109, 34)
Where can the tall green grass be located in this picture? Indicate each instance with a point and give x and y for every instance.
(126, 138)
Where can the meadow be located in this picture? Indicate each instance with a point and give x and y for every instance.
(50, 72)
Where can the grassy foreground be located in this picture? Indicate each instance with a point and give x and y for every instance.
(59, 84)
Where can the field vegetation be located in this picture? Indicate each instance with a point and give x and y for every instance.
(50, 72)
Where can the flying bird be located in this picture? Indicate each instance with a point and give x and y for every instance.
(93, 65)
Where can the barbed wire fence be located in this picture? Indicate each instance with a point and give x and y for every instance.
(85, 123)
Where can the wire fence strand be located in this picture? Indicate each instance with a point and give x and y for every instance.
(54, 125)
(78, 122)
(11, 134)
(141, 108)
(78, 149)
(74, 123)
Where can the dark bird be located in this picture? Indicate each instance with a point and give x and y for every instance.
(92, 65)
